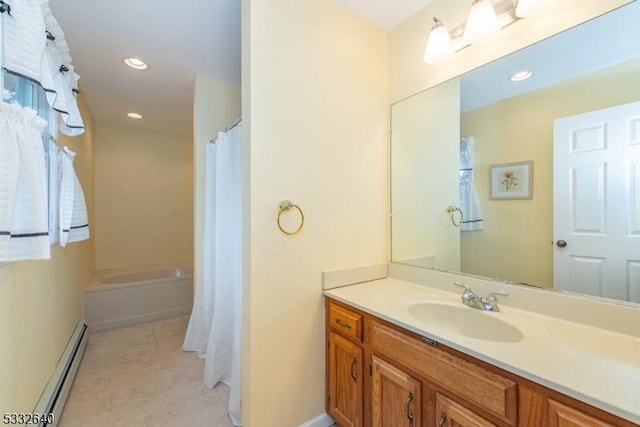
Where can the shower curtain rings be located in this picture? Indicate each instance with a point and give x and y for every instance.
(285, 206)
(451, 210)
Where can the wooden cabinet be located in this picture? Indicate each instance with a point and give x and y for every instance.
(396, 396)
(345, 322)
(381, 375)
(563, 416)
(452, 414)
(491, 391)
(344, 398)
(345, 362)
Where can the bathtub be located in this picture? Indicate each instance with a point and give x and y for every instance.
(124, 297)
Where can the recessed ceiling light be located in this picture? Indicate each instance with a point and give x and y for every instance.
(136, 63)
(521, 75)
(134, 115)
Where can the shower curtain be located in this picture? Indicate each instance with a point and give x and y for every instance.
(469, 199)
(215, 325)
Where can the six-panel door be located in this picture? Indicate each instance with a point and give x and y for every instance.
(596, 203)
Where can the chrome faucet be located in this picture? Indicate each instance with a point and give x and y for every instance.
(472, 300)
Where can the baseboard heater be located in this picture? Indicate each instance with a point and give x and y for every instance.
(55, 393)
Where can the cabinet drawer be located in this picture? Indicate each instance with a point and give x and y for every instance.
(450, 413)
(345, 321)
(490, 391)
(561, 415)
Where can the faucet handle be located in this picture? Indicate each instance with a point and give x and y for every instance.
(467, 294)
(466, 288)
(491, 298)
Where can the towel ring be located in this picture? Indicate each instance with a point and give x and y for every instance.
(451, 210)
(286, 205)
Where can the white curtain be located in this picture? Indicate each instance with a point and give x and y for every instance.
(469, 199)
(215, 325)
(72, 208)
(24, 220)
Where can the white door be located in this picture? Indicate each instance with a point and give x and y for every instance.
(596, 199)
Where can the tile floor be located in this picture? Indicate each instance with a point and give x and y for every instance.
(140, 376)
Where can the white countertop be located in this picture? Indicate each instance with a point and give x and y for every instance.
(596, 366)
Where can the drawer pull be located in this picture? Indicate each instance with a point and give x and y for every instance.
(344, 325)
(409, 412)
(443, 419)
(354, 361)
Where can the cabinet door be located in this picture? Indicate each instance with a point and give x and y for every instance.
(396, 397)
(452, 414)
(345, 381)
(563, 416)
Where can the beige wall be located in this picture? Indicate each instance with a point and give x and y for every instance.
(516, 241)
(421, 191)
(315, 109)
(41, 301)
(408, 74)
(144, 198)
(216, 106)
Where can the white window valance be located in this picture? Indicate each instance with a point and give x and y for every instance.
(35, 48)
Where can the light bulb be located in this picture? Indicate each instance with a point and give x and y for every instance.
(439, 46)
(135, 63)
(481, 23)
(521, 75)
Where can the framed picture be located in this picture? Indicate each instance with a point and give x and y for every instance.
(511, 181)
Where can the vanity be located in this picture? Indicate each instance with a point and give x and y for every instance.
(499, 184)
(401, 353)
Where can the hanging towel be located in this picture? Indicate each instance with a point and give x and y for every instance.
(24, 228)
(74, 223)
(469, 199)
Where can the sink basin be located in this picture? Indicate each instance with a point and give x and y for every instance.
(466, 321)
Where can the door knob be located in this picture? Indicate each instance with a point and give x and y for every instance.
(561, 243)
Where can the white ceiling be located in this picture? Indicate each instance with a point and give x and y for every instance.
(177, 38)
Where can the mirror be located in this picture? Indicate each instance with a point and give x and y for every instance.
(591, 67)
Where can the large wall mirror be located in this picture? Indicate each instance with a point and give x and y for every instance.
(535, 181)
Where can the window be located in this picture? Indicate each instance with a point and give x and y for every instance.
(30, 94)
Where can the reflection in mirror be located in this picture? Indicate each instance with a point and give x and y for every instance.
(577, 119)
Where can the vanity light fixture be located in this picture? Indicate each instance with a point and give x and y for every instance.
(135, 63)
(483, 21)
(521, 75)
(439, 46)
(134, 115)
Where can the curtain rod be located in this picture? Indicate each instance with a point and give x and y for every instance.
(235, 123)
(53, 139)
